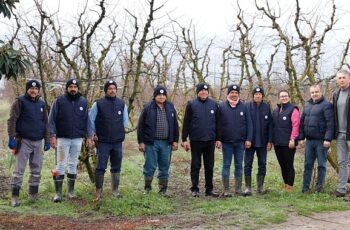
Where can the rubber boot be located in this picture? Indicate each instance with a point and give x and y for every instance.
(248, 186)
(99, 178)
(226, 184)
(115, 184)
(15, 202)
(238, 186)
(70, 185)
(163, 186)
(58, 180)
(33, 193)
(148, 184)
(260, 182)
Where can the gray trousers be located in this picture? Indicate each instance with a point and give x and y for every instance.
(32, 151)
(343, 152)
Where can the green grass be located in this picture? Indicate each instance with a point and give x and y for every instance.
(244, 212)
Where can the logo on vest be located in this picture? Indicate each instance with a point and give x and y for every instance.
(81, 108)
(266, 117)
(172, 114)
(41, 110)
(212, 111)
(119, 112)
(284, 118)
(241, 113)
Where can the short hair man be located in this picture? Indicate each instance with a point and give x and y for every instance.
(317, 126)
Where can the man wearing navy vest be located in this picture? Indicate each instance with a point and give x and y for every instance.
(109, 118)
(317, 126)
(157, 135)
(27, 127)
(235, 134)
(68, 125)
(200, 125)
(261, 143)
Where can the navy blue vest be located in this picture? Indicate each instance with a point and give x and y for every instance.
(265, 120)
(203, 120)
(109, 120)
(282, 124)
(233, 122)
(71, 118)
(31, 122)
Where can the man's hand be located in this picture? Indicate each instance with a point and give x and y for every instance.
(247, 144)
(174, 146)
(301, 143)
(89, 143)
(53, 142)
(186, 146)
(269, 146)
(326, 144)
(218, 144)
(142, 147)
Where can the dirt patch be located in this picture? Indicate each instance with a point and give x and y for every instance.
(12, 221)
(330, 220)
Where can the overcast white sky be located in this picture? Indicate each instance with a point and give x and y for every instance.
(211, 17)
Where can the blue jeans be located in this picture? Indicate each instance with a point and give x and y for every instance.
(68, 151)
(237, 150)
(261, 153)
(157, 154)
(314, 150)
(106, 151)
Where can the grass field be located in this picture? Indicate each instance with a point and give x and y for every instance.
(180, 210)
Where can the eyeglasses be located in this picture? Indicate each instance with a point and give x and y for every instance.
(284, 96)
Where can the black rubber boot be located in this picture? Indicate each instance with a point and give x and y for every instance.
(226, 184)
(163, 186)
(148, 184)
(99, 185)
(115, 184)
(238, 186)
(15, 202)
(70, 185)
(248, 186)
(33, 193)
(260, 181)
(58, 180)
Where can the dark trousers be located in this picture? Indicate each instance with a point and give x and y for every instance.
(261, 153)
(112, 151)
(285, 157)
(205, 148)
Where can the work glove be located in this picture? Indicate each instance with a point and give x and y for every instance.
(47, 146)
(12, 143)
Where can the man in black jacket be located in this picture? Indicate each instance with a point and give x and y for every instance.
(157, 135)
(317, 126)
(341, 103)
(200, 124)
(262, 140)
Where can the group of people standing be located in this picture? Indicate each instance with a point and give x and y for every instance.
(240, 129)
